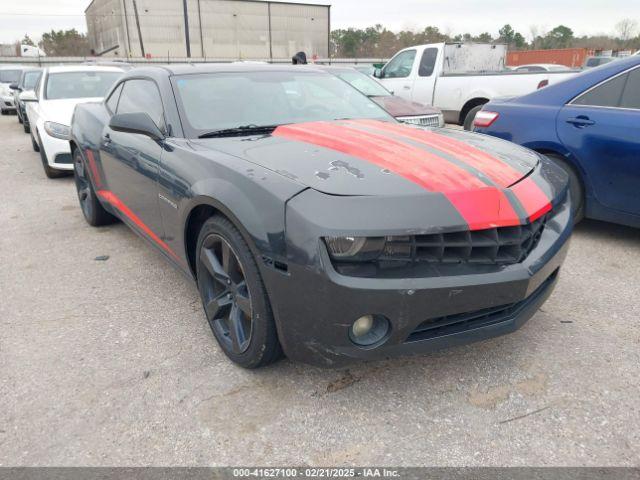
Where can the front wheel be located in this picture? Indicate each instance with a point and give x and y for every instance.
(233, 295)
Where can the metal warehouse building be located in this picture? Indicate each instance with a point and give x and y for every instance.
(216, 29)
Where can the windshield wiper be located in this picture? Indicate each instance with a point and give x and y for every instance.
(240, 130)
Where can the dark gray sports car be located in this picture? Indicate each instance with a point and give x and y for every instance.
(312, 221)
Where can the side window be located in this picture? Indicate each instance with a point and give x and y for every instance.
(112, 101)
(631, 94)
(428, 62)
(606, 95)
(400, 65)
(142, 96)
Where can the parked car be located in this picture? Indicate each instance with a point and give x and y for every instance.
(403, 110)
(28, 81)
(8, 74)
(318, 225)
(590, 125)
(541, 67)
(592, 62)
(458, 78)
(49, 109)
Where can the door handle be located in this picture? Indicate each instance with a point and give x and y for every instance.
(580, 121)
(406, 87)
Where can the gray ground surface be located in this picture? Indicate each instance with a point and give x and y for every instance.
(112, 362)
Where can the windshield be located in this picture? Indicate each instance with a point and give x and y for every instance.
(89, 84)
(9, 76)
(30, 80)
(362, 82)
(215, 101)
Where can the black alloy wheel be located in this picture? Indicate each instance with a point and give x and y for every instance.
(227, 299)
(233, 295)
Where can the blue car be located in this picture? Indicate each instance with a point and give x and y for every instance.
(590, 125)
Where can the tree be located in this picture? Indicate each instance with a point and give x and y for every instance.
(483, 38)
(65, 43)
(506, 34)
(559, 37)
(512, 38)
(27, 41)
(626, 29)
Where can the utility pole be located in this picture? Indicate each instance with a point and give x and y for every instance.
(186, 28)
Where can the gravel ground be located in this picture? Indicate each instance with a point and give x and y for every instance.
(112, 362)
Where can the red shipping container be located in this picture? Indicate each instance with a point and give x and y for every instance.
(571, 57)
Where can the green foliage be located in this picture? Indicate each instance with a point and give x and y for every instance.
(65, 43)
(27, 41)
(378, 42)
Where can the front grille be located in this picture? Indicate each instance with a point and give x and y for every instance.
(63, 158)
(493, 246)
(424, 121)
(457, 323)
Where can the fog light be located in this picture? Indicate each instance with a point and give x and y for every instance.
(369, 329)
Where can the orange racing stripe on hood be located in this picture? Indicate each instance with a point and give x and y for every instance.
(482, 206)
(531, 197)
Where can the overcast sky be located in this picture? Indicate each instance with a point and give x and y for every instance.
(451, 16)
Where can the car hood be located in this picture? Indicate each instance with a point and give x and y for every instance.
(399, 107)
(61, 111)
(367, 157)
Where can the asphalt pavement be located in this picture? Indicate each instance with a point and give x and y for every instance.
(107, 359)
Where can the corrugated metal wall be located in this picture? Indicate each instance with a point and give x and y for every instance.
(222, 29)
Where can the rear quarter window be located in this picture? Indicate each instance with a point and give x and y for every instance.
(606, 95)
(631, 94)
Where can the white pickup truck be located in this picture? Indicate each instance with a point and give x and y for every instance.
(459, 78)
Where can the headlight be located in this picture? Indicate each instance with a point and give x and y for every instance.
(57, 130)
(355, 248)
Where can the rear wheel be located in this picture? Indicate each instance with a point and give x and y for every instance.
(19, 118)
(26, 128)
(234, 297)
(576, 189)
(471, 115)
(93, 211)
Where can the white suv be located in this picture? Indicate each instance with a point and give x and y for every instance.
(50, 110)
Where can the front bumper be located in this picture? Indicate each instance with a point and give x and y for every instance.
(315, 306)
(7, 103)
(58, 151)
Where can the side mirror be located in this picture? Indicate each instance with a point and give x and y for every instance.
(140, 123)
(14, 86)
(28, 96)
(377, 73)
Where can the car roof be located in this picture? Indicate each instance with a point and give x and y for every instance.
(12, 67)
(195, 68)
(83, 68)
(565, 90)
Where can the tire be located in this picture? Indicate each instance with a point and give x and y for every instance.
(233, 296)
(19, 118)
(26, 127)
(471, 115)
(4, 112)
(48, 171)
(576, 188)
(92, 210)
(34, 144)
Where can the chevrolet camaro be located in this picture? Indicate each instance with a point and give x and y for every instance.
(313, 223)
